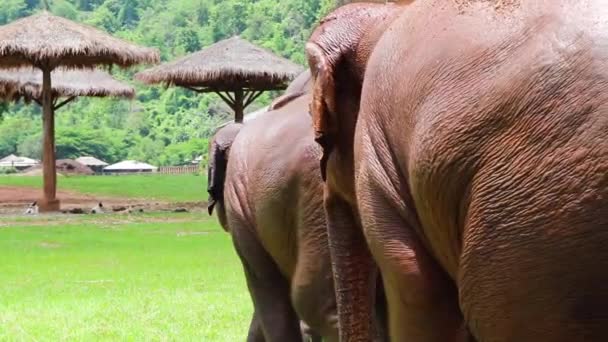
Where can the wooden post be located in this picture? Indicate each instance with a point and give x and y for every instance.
(49, 202)
(239, 105)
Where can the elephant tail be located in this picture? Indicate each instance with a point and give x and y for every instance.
(218, 162)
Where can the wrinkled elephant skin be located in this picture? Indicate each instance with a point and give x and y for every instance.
(478, 181)
(272, 205)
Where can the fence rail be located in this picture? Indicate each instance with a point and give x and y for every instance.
(178, 170)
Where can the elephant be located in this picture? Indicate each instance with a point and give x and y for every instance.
(265, 185)
(465, 153)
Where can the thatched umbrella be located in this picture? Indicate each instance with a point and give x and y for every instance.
(26, 83)
(238, 71)
(46, 42)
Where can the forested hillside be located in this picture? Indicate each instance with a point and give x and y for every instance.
(164, 127)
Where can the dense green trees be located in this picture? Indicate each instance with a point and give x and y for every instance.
(161, 126)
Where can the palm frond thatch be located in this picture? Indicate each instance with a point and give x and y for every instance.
(27, 83)
(226, 65)
(44, 39)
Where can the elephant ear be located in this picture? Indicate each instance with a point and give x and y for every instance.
(323, 103)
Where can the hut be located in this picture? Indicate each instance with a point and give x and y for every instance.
(69, 166)
(64, 167)
(16, 162)
(234, 69)
(93, 163)
(130, 166)
(47, 42)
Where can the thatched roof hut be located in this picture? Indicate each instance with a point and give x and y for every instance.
(91, 161)
(27, 83)
(47, 39)
(64, 167)
(17, 162)
(235, 69)
(46, 42)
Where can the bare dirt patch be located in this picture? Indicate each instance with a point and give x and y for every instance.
(103, 221)
(14, 200)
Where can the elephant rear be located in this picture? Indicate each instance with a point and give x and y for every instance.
(219, 151)
(535, 230)
(273, 200)
(506, 162)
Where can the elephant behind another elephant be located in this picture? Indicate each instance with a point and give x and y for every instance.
(270, 201)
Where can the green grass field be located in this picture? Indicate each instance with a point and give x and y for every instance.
(186, 188)
(155, 277)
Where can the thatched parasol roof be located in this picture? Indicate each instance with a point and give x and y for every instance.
(225, 66)
(27, 83)
(44, 37)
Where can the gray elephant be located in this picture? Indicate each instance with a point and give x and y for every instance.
(466, 154)
(264, 183)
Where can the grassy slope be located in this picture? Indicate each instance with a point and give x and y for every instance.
(121, 280)
(186, 188)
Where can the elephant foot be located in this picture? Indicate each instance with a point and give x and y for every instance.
(308, 335)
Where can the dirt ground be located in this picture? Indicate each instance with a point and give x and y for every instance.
(14, 200)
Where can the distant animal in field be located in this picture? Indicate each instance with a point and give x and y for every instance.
(98, 209)
(32, 209)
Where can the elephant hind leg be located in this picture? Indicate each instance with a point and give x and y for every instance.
(422, 300)
(312, 284)
(312, 291)
(268, 288)
(534, 261)
(256, 333)
(541, 278)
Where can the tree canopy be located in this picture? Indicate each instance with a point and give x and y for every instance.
(161, 126)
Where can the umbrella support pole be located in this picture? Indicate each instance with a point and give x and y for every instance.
(239, 105)
(49, 202)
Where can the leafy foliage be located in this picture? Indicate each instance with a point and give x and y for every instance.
(161, 126)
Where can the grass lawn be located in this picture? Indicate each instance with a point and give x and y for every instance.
(173, 188)
(169, 277)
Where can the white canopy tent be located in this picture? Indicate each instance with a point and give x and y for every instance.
(128, 166)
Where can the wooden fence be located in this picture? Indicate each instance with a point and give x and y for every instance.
(179, 170)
